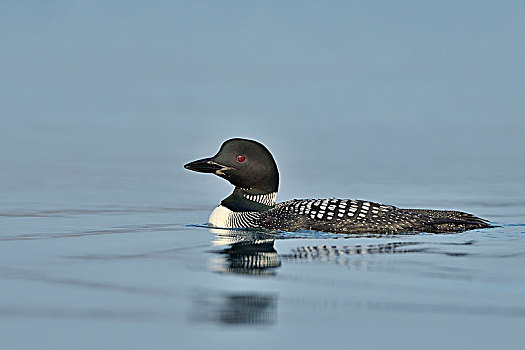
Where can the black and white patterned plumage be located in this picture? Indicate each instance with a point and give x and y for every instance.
(354, 217)
(250, 167)
(363, 217)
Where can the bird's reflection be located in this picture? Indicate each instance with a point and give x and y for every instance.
(334, 253)
(224, 308)
(253, 252)
(241, 252)
(246, 252)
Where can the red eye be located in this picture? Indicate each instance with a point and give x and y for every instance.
(240, 159)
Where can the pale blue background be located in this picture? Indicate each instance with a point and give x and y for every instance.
(411, 103)
(421, 81)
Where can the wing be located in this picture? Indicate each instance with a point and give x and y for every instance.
(363, 217)
(339, 216)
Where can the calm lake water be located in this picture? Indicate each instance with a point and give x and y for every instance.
(103, 247)
(409, 103)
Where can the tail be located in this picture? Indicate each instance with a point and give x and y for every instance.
(449, 221)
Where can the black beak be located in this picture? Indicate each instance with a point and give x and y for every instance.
(206, 165)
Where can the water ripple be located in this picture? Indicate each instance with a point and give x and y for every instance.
(100, 211)
(110, 231)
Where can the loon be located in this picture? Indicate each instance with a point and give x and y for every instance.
(251, 168)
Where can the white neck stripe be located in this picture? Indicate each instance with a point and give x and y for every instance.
(266, 199)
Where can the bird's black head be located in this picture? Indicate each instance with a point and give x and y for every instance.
(246, 164)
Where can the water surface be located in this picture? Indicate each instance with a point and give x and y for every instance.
(409, 103)
(121, 264)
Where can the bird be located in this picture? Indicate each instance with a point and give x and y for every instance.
(250, 167)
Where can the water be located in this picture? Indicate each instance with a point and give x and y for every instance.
(414, 104)
(108, 251)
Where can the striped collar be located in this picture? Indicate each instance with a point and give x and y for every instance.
(266, 199)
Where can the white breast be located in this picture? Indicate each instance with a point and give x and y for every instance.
(220, 217)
